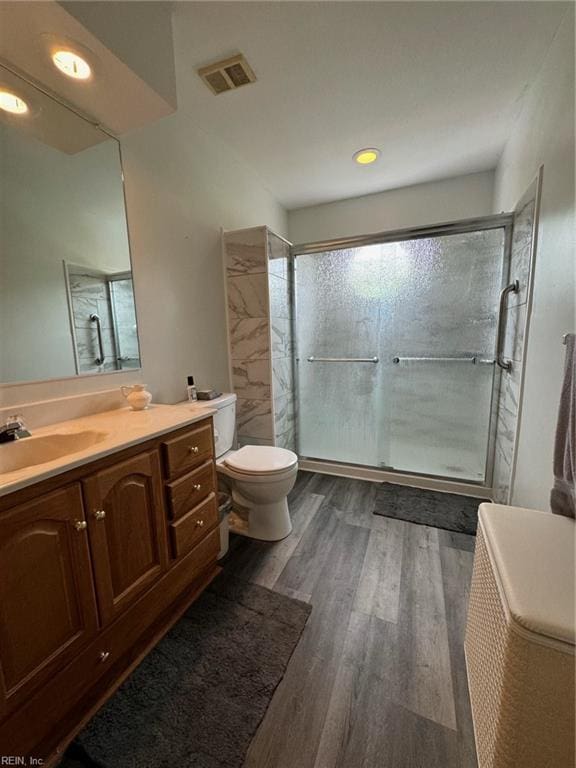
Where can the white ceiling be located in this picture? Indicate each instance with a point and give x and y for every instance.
(434, 85)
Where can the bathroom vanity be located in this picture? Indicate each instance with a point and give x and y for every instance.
(101, 552)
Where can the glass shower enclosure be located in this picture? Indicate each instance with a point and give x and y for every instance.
(396, 345)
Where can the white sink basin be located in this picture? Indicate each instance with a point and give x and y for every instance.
(30, 451)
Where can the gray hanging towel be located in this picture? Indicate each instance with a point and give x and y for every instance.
(563, 495)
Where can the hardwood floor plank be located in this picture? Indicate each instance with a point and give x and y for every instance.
(457, 540)
(366, 665)
(280, 552)
(456, 576)
(307, 562)
(355, 500)
(365, 726)
(291, 730)
(424, 657)
(378, 678)
(378, 592)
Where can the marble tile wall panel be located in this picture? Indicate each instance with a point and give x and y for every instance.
(245, 251)
(521, 251)
(515, 331)
(282, 378)
(506, 433)
(248, 296)
(245, 254)
(516, 322)
(279, 286)
(279, 297)
(249, 338)
(254, 418)
(284, 421)
(281, 337)
(251, 378)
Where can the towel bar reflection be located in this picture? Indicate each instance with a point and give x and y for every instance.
(313, 359)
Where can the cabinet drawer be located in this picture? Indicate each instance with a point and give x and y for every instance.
(188, 450)
(190, 490)
(189, 530)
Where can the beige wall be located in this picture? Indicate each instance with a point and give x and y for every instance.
(182, 186)
(544, 134)
(460, 197)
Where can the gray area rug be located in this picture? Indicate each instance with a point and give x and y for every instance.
(197, 699)
(440, 510)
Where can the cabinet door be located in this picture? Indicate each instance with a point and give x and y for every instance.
(127, 528)
(47, 604)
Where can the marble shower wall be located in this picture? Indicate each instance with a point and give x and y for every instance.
(279, 288)
(521, 267)
(256, 262)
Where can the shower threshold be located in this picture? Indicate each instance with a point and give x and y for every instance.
(427, 482)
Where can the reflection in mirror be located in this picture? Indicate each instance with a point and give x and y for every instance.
(66, 294)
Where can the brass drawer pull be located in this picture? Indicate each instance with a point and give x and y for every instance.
(193, 449)
(197, 486)
(100, 514)
(104, 655)
(80, 525)
(199, 523)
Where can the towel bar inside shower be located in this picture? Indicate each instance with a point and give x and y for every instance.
(474, 359)
(313, 359)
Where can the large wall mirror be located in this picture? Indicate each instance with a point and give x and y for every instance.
(66, 292)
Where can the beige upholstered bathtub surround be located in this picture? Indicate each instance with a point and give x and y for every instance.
(259, 334)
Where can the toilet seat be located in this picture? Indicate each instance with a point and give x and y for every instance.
(261, 460)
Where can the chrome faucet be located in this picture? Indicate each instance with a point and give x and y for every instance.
(13, 429)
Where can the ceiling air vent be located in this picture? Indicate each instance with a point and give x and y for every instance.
(227, 75)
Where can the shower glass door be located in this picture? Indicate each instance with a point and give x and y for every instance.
(395, 351)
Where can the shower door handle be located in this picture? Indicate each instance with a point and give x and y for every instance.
(96, 319)
(506, 365)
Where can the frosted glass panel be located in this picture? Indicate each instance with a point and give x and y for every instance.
(431, 297)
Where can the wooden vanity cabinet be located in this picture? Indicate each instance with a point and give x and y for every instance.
(47, 604)
(92, 575)
(127, 531)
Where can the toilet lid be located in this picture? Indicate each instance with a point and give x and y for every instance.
(260, 459)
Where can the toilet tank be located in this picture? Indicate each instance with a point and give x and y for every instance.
(224, 422)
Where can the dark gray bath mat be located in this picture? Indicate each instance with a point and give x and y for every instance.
(440, 510)
(197, 699)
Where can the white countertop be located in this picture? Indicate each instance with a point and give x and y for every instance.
(122, 427)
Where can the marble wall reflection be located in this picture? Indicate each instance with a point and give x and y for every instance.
(112, 300)
(259, 328)
(89, 295)
(516, 316)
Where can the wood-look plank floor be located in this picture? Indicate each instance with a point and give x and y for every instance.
(378, 679)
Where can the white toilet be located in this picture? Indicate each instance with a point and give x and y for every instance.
(261, 477)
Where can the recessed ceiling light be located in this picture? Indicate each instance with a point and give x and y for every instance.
(71, 64)
(366, 156)
(9, 102)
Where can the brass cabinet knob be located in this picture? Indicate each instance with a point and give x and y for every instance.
(80, 525)
(100, 514)
(193, 449)
(197, 486)
(199, 523)
(104, 655)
